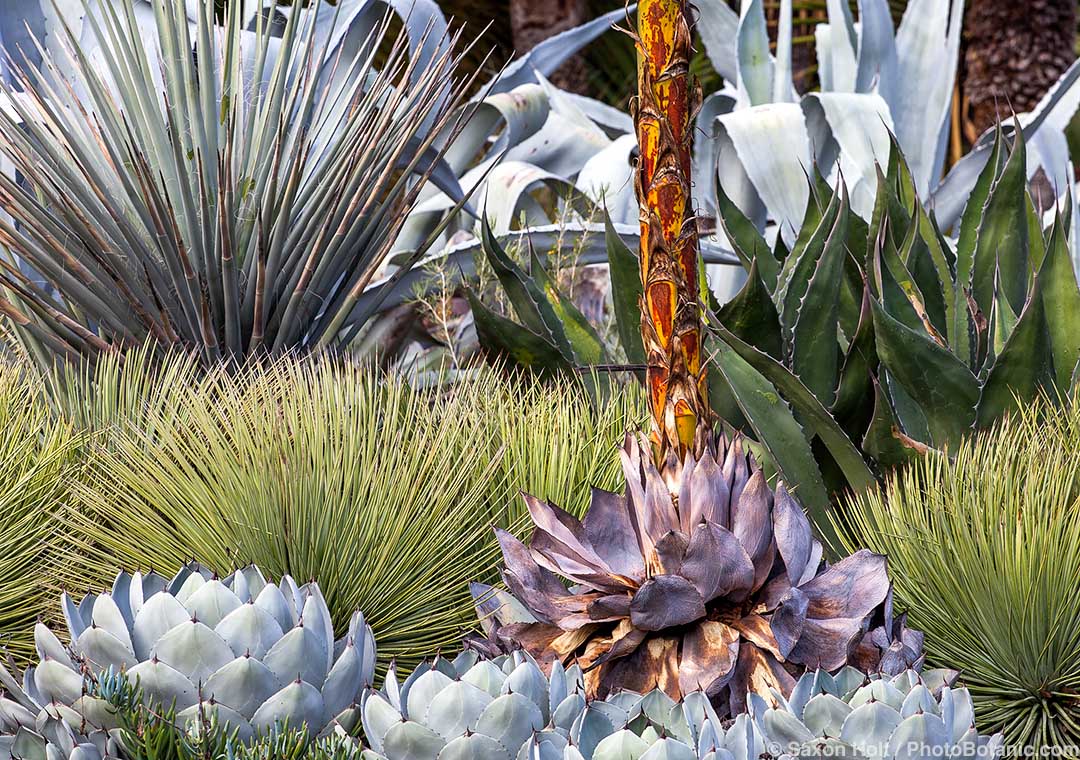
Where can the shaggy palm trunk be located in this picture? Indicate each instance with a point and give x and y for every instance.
(1014, 52)
(671, 319)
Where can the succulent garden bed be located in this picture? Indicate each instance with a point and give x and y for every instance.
(317, 442)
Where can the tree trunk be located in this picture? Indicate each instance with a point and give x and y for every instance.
(671, 318)
(1014, 52)
(533, 21)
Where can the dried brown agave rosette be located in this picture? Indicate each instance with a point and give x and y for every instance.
(706, 581)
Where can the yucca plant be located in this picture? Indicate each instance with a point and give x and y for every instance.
(309, 469)
(555, 440)
(39, 459)
(383, 493)
(230, 192)
(984, 543)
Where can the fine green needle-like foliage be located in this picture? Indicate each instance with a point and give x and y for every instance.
(557, 443)
(38, 458)
(984, 552)
(308, 469)
(384, 493)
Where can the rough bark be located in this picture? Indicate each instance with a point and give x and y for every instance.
(533, 21)
(1014, 52)
(671, 318)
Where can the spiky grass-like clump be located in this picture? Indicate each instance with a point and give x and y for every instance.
(384, 493)
(38, 458)
(984, 550)
(558, 442)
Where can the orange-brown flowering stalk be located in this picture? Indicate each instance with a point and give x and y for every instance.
(671, 321)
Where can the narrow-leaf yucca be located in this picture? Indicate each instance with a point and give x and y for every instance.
(984, 545)
(220, 189)
(384, 493)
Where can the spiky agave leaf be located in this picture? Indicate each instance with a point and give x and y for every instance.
(721, 589)
(890, 338)
(228, 191)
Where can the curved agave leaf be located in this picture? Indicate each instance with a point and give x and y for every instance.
(756, 67)
(851, 136)
(584, 238)
(534, 135)
(1055, 110)
(874, 79)
(549, 55)
(927, 52)
(771, 146)
(607, 178)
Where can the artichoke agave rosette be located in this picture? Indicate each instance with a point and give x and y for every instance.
(702, 579)
(471, 708)
(257, 654)
(53, 739)
(847, 715)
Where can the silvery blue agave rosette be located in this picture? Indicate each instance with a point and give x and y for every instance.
(256, 654)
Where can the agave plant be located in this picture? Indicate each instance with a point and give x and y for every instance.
(720, 590)
(701, 578)
(873, 78)
(233, 201)
(876, 78)
(56, 740)
(152, 731)
(850, 714)
(507, 708)
(889, 338)
(528, 140)
(473, 708)
(553, 337)
(254, 653)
